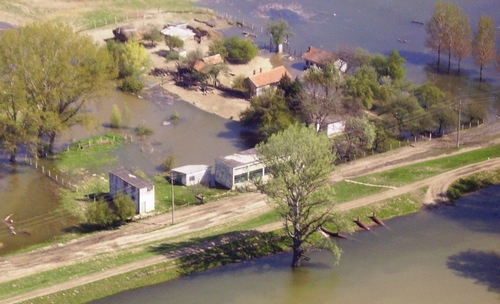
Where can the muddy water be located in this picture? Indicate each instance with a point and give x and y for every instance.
(197, 138)
(444, 255)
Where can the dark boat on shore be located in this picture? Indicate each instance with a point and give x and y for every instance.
(361, 224)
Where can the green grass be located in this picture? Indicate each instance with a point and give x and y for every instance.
(409, 174)
(472, 183)
(345, 192)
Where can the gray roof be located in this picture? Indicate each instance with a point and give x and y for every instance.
(189, 169)
(246, 157)
(131, 178)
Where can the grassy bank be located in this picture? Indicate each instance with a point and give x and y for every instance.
(472, 183)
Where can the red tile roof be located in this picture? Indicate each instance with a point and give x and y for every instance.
(269, 77)
(319, 56)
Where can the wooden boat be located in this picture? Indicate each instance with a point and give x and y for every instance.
(378, 221)
(361, 224)
(332, 234)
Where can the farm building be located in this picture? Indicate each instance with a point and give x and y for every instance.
(192, 175)
(202, 65)
(141, 191)
(182, 33)
(319, 58)
(238, 169)
(260, 82)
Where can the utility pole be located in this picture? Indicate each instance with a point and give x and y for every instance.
(458, 123)
(172, 190)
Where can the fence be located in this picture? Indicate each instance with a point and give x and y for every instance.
(55, 175)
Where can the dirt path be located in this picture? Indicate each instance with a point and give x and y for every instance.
(232, 210)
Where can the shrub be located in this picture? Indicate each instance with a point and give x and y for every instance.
(173, 55)
(240, 84)
(131, 84)
(175, 116)
(124, 207)
(169, 162)
(240, 50)
(143, 130)
(99, 214)
(116, 118)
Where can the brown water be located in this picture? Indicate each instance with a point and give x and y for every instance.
(198, 138)
(444, 255)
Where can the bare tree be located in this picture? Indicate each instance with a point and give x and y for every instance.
(483, 45)
(461, 46)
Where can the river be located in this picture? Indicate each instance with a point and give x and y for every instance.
(449, 254)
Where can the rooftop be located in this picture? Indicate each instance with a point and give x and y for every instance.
(189, 169)
(239, 159)
(269, 77)
(131, 178)
(319, 56)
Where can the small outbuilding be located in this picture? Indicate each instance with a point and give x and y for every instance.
(141, 191)
(192, 175)
(260, 82)
(239, 169)
(182, 33)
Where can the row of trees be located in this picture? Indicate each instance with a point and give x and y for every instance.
(48, 76)
(450, 32)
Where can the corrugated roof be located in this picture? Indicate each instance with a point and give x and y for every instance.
(131, 178)
(319, 56)
(269, 77)
(189, 169)
(239, 159)
(183, 34)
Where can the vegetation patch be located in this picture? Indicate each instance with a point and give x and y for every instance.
(472, 183)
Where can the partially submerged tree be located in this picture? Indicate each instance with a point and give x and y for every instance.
(461, 47)
(279, 31)
(300, 161)
(483, 45)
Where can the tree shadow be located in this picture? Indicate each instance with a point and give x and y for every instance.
(418, 58)
(482, 266)
(198, 254)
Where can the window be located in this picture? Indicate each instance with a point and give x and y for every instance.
(256, 174)
(240, 178)
(191, 178)
(267, 171)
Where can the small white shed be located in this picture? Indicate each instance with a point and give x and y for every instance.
(192, 175)
(141, 191)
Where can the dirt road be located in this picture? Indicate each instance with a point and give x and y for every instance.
(232, 210)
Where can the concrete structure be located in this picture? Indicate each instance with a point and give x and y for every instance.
(141, 191)
(239, 169)
(192, 175)
(319, 58)
(183, 33)
(260, 82)
(201, 65)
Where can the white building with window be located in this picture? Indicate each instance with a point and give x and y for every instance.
(192, 175)
(239, 169)
(141, 191)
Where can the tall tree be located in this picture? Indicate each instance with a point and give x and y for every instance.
(483, 45)
(279, 30)
(435, 29)
(300, 161)
(59, 71)
(461, 46)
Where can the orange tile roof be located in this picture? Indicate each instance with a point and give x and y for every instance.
(269, 77)
(319, 56)
(214, 59)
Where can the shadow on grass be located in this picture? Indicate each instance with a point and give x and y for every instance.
(200, 254)
(482, 266)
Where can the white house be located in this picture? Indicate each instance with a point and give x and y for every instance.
(192, 175)
(319, 58)
(260, 82)
(183, 33)
(141, 191)
(239, 169)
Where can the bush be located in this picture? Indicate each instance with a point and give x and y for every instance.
(116, 118)
(240, 84)
(175, 116)
(143, 130)
(173, 55)
(169, 163)
(131, 84)
(240, 50)
(99, 214)
(124, 207)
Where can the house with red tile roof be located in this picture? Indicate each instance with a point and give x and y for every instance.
(320, 58)
(260, 82)
(201, 64)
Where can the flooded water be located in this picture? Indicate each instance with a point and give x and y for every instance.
(443, 255)
(32, 198)
(375, 25)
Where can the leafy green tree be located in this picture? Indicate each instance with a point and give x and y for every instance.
(217, 47)
(240, 83)
(428, 95)
(173, 42)
(395, 66)
(134, 60)
(279, 30)
(483, 44)
(403, 108)
(442, 115)
(152, 34)
(99, 214)
(215, 71)
(240, 50)
(293, 93)
(169, 163)
(363, 86)
(124, 207)
(359, 133)
(131, 84)
(300, 161)
(59, 72)
(116, 118)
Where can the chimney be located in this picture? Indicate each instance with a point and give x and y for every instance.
(260, 70)
(254, 72)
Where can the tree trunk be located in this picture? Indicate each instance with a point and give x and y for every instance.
(52, 139)
(13, 154)
(459, 62)
(297, 254)
(439, 58)
(480, 73)
(449, 61)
